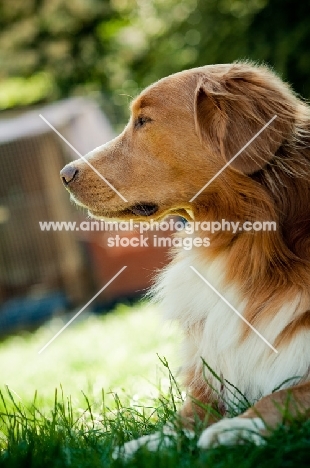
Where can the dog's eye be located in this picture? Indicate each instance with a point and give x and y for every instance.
(140, 121)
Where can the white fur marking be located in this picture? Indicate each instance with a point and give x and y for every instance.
(232, 308)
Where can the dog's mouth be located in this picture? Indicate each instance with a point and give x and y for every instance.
(139, 210)
(144, 209)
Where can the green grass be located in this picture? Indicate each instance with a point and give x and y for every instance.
(115, 352)
(100, 384)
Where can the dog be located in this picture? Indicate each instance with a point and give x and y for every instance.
(232, 142)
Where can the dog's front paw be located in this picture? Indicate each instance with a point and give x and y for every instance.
(151, 442)
(231, 431)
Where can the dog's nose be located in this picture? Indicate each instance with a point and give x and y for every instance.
(68, 173)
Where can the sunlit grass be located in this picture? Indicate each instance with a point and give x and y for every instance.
(116, 352)
(103, 381)
(100, 384)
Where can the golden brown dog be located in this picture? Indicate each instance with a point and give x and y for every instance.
(183, 130)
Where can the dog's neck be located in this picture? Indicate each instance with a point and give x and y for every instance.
(264, 265)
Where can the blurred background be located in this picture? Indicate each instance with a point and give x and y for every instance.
(79, 63)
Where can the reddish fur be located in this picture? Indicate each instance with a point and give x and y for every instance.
(200, 119)
(282, 405)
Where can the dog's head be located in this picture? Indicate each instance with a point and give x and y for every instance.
(181, 133)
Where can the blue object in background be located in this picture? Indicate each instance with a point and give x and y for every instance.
(21, 313)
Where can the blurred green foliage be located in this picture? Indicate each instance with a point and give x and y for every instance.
(110, 49)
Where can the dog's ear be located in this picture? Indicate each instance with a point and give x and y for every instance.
(230, 111)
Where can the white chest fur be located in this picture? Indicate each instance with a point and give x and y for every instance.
(212, 329)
